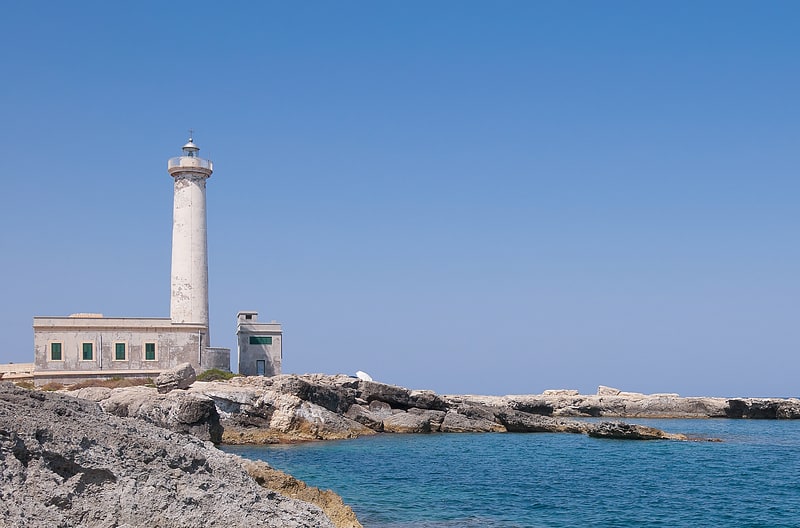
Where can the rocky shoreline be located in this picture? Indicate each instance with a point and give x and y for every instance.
(87, 457)
(320, 407)
(291, 408)
(66, 462)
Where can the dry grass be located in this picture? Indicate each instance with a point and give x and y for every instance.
(51, 386)
(112, 383)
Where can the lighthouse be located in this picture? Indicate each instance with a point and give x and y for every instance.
(189, 285)
(88, 345)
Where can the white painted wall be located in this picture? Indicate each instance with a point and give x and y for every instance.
(189, 287)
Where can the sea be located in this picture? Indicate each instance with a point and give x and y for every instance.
(549, 480)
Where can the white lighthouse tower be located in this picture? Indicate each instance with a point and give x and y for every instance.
(189, 293)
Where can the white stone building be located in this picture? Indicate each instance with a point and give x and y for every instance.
(81, 346)
(259, 344)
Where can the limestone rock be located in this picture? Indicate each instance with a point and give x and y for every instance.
(179, 377)
(397, 397)
(65, 462)
(624, 431)
(367, 417)
(334, 399)
(520, 422)
(763, 408)
(602, 390)
(94, 394)
(458, 423)
(177, 411)
(331, 503)
(314, 406)
(406, 422)
(560, 392)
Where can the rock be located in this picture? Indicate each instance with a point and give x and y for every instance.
(406, 422)
(94, 394)
(367, 417)
(396, 397)
(520, 422)
(763, 408)
(533, 406)
(65, 462)
(633, 395)
(788, 409)
(180, 377)
(602, 390)
(458, 423)
(560, 392)
(177, 411)
(624, 431)
(330, 503)
(334, 399)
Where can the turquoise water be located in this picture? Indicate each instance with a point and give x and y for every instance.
(752, 479)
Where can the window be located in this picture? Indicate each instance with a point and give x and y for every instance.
(120, 352)
(149, 351)
(55, 352)
(87, 351)
(260, 340)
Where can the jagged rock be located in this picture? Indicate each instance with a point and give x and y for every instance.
(179, 377)
(310, 407)
(560, 392)
(520, 422)
(396, 397)
(407, 422)
(271, 410)
(477, 411)
(367, 417)
(290, 419)
(624, 431)
(458, 423)
(602, 390)
(533, 406)
(335, 399)
(67, 463)
(177, 411)
(94, 394)
(788, 409)
(763, 408)
(426, 399)
(330, 503)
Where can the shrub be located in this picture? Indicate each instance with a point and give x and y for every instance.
(52, 386)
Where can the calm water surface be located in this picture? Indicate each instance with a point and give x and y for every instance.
(752, 479)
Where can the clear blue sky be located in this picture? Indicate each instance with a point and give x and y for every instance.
(484, 197)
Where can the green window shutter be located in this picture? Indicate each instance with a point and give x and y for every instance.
(88, 351)
(119, 351)
(260, 340)
(149, 351)
(55, 351)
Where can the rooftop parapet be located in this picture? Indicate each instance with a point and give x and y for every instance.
(192, 163)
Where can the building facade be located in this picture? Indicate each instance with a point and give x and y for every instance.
(81, 346)
(260, 345)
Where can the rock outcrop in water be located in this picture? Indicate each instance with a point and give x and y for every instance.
(316, 407)
(287, 408)
(65, 462)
